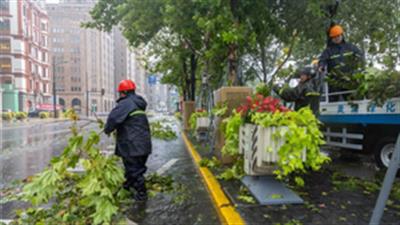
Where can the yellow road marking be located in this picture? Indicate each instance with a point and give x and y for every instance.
(227, 213)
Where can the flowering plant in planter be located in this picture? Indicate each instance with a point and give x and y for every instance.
(242, 114)
(260, 104)
(299, 132)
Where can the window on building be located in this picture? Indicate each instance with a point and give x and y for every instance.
(5, 65)
(43, 26)
(4, 5)
(36, 53)
(60, 69)
(44, 88)
(44, 56)
(5, 45)
(44, 72)
(43, 42)
(5, 25)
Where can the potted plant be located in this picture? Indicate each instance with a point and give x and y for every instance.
(267, 132)
(199, 119)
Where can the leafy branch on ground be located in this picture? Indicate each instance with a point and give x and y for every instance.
(156, 183)
(162, 131)
(245, 196)
(91, 197)
(210, 163)
(343, 182)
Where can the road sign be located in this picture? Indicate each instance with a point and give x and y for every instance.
(152, 80)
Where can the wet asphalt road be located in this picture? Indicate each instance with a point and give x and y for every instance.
(27, 149)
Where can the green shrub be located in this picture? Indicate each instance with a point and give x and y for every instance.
(21, 115)
(7, 116)
(178, 115)
(194, 116)
(162, 131)
(44, 115)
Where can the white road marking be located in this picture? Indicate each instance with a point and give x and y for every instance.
(166, 166)
(5, 221)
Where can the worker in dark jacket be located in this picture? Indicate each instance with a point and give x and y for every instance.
(341, 59)
(133, 136)
(304, 94)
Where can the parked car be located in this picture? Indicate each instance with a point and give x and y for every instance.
(35, 113)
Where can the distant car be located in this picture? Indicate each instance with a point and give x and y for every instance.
(36, 113)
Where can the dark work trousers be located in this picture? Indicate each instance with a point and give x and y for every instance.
(135, 167)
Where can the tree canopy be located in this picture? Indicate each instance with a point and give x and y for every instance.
(235, 41)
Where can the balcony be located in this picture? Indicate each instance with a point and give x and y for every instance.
(5, 68)
(5, 47)
(45, 78)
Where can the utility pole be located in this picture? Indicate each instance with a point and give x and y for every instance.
(54, 88)
(54, 84)
(87, 94)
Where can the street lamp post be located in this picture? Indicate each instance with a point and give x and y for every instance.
(54, 84)
(54, 88)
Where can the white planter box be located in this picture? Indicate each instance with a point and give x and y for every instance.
(260, 148)
(202, 123)
(245, 137)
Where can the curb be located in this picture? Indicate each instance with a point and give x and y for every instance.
(227, 213)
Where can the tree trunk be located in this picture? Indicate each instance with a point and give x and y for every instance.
(186, 91)
(193, 67)
(232, 63)
(264, 68)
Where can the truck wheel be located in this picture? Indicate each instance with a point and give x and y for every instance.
(383, 152)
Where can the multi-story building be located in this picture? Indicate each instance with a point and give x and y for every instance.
(136, 71)
(121, 54)
(24, 58)
(129, 63)
(83, 58)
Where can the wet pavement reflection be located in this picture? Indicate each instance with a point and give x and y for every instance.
(26, 150)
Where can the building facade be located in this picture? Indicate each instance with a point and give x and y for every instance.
(129, 64)
(136, 71)
(121, 57)
(83, 59)
(24, 60)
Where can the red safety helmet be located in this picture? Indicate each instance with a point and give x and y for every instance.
(126, 85)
